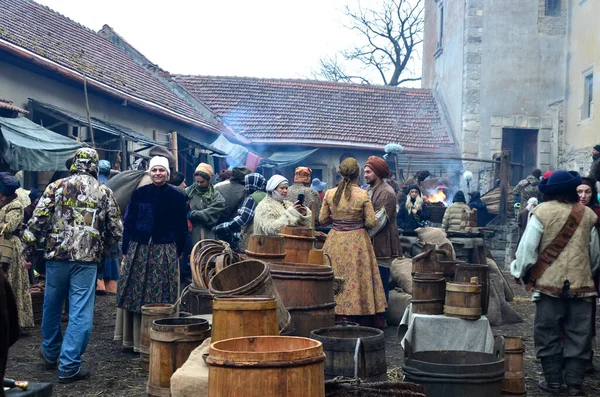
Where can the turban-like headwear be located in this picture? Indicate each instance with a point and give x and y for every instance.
(379, 166)
(205, 170)
(302, 175)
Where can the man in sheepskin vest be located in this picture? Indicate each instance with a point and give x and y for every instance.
(558, 256)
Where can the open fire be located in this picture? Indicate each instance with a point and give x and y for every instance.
(437, 197)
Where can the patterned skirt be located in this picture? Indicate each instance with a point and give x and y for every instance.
(149, 274)
(18, 277)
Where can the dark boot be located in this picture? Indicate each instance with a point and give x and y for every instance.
(589, 365)
(552, 367)
(574, 373)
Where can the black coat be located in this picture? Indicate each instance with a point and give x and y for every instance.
(410, 222)
(156, 212)
(483, 216)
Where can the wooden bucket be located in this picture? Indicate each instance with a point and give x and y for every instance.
(244, 316)
(249, 277)
(429, 290)
(426, 262)
(266, 248)
(197, 301)
(307, 293)
(266, 366)
(464, 273)
(514, 372)
(354, 352)
(317, 257)
(151, 312)
(463, 300)
(298, 243)
(172, 341)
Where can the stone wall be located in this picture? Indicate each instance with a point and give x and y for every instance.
(552, 25)
(579, 160)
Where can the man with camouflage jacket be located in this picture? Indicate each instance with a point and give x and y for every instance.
(80, 220)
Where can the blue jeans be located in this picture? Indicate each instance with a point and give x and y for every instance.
(78, 280)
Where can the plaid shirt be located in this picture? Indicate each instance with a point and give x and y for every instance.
(253, 183)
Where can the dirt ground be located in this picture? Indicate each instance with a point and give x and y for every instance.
(117, 372)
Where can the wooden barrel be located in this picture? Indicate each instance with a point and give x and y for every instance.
(450, 269)
(298, 243)
(463, 300)
(266, 366)
(514, 372)
(266, 248)
(244, 316)
(197, 301)
(426, 262)
(150, 313)
(249, 277)
(307, 293)
(172, 341)
(429, 291)
(464, 273)
(342, 344)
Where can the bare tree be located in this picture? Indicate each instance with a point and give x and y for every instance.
(391, 35)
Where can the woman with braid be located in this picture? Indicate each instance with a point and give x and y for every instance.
(349, 209)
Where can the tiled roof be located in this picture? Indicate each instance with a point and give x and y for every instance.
(52, 36)
(325, 113)
(8, 105)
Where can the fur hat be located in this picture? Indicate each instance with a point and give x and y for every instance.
(160, 161)
(560, 181)
(205, 169)
(379, 166)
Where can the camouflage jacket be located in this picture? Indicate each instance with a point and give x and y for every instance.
(79, 218)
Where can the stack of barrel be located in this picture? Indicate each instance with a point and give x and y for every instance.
(429, 283)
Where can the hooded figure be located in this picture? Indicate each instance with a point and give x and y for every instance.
(453, 216)
(475, 202)
(275, 211)
(412, 214)
(244, 220)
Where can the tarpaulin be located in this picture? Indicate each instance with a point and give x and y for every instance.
(27, 146)
(284, 159)
(236, 154)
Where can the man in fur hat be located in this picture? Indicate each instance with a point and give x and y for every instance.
(558, 256)
(387, 241)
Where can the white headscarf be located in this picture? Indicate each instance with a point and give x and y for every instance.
(160, 161)
(275, 181)
(531, 204)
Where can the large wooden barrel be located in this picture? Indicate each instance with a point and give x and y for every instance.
(426, 262)
(307, 293)
(464, 273)
(172, 341)
(151, 312)
(266, 248)
(266, 366)
(197, 301)
(429, 292)
(463, 300)
(298, 243)
(249, 277)
(342, 344)
(244, 316)
(514, 372)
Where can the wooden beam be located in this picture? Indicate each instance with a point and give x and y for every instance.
(55, 125)
(123, 153)
(174, 148)
(504, 174)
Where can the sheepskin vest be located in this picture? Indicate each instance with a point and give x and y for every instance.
(570, 275)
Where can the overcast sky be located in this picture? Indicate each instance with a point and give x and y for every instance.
(258, 38)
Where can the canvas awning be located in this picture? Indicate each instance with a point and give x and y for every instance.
(30, 147)
(285, 159)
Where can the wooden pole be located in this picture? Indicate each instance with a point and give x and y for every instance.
(408, 167)
(87, 107)
(155, 135)
(174, 148)
(123, 153)
(504, 173)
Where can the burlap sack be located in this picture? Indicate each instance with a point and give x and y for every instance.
(433, 235)
(499, 311)
(508, 292)
(191, 380)
(401, 270)
(397, 305)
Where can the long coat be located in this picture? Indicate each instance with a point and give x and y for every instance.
(387, 242)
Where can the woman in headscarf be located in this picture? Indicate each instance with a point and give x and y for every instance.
(412, 214)
(11, 220)
(276, 211)
(154, 235)
(350, 210)
(206, 203)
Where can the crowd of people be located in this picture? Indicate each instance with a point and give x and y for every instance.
(132, 234)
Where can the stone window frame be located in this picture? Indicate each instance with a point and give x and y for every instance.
(543, 124)
(585, 73)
